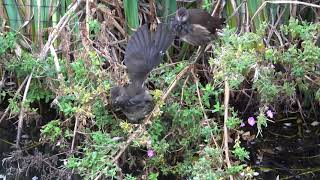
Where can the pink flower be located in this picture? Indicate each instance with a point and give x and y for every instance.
(270, 114)
(150, 153)
(251, 121)
(242, 124)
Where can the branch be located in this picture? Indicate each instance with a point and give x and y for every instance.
(75, 132)
(225, 128)
(20, 122)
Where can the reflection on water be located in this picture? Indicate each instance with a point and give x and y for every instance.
(288, 150)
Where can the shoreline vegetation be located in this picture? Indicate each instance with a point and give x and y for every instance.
(248, 109)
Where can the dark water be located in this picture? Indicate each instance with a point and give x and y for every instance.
(288, 149)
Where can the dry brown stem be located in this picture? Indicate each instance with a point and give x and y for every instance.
(225, 128)
(22, 110)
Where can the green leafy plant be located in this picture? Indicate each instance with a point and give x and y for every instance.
(14, 105)
(52, 130)
(7, 41)
(240, 152)
(233, 121)
(96, 157)
(94, 26)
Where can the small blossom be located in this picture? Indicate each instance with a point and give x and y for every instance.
(150, 153)
(251, 121)
(242, 124)
(35, 178)
(270, 114)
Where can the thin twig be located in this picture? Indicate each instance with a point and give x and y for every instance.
(165, 66)
(199, 52)
(57, 65)
(74, 133)
(273, 27)
(152, 11)
(301, 113)
(88, 14)
(15, 95)
(20, 122)
(214, 12)
(178, 77)
(247, 18)
(182, 89)
(249, 103)
(225, 128)
(307, 77)
(118, 8)
(235, 11)
(198, 92)
(57, 29)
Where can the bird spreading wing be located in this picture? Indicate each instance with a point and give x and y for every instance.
(145, 50)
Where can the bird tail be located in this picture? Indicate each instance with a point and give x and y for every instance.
(145, 50)
(163, 37)
(149, 43)
(139, 41)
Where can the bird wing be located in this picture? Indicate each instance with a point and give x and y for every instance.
(145, 50)
(203, 18)
(198, 36)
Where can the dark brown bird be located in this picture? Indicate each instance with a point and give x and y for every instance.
(195, 26)
(144, 52)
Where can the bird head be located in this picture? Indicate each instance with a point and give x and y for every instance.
(182, 15)
(117, 96)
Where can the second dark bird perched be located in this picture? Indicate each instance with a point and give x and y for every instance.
(196, 26)
(144, 52)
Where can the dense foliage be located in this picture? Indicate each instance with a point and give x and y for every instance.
(70, 127)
